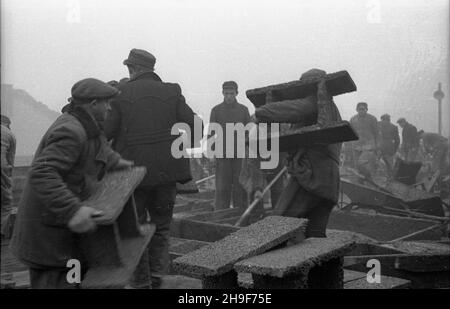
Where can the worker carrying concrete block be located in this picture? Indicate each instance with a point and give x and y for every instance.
(313, 188)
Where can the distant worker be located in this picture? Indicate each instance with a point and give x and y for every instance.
(365, 148)
(389, 142)
(228, 170)
(410, 140)
(71, 159)
(8, 153)
(438, 147)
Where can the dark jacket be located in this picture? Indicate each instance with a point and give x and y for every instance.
(389, 137)
(410, 137)
(316, 168)
(71, 159)
(232, 113)
(140, 124)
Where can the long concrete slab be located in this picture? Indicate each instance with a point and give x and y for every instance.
(337, 83)
(219, 257)
(299, 258)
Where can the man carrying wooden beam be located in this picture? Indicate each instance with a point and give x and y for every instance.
(313, 188)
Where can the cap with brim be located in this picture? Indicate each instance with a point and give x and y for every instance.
(91, 88)
(140, 57)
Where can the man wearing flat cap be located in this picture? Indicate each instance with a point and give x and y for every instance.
(140, 124)
(366, 147)
(71, 159)
(389, 142)
(228, 187)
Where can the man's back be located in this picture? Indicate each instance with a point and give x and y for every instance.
(389, 137)
(410, 136)
(140, 123)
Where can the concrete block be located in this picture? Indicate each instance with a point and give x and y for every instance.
(337, 83)
(291, 139)
(219, 257)
(313, 263)
(298, 258)
(228, 280)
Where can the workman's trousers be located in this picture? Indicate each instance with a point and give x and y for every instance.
(312, 207)
(388, 160)
(228, 186)
(52, 278)
(157, 202)
(366, 162)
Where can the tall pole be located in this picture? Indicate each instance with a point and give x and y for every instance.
(439, 95)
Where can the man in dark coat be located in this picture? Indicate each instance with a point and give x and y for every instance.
(313, 189)
(389, 141)
(140, 124)
(228, 169)
(71, 159)
(410, 140)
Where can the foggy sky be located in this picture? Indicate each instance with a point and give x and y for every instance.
(396, 55)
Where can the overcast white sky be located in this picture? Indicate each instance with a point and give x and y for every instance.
(396, 51)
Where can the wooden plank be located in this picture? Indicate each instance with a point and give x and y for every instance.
(219, 257)
(337, 83)
(114, 191)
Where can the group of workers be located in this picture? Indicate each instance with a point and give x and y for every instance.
(116, 125)
(381, 140)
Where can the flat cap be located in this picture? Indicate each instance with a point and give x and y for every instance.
(230, 85)
(401, 120)
(91, 88)
(313, 73)
(385, 117)
(140, 57)
(364, 104)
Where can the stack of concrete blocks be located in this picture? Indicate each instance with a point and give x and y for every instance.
(318, 131)
(311, 263)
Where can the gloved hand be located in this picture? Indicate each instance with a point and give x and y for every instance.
(123, 164)
(82, 221)
(258, 195)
